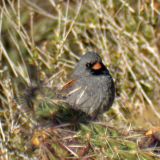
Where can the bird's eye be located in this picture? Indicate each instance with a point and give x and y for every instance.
(88, 65)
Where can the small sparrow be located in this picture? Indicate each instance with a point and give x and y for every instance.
(91, 88)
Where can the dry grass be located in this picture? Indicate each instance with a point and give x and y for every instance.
(42, 41)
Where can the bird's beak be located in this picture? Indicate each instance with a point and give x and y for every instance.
(97, 66)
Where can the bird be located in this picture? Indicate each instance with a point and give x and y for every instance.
(91, 88)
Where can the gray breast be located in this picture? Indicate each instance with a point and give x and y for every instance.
(92, 94)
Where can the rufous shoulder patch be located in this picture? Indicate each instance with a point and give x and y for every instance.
(68, 85)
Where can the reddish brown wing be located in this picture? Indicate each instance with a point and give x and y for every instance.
(68, 85)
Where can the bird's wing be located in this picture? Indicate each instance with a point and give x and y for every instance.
(89, 104)
(68, 85)
(69, 89)
(79, 97)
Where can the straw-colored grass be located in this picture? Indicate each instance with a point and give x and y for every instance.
(41, 41)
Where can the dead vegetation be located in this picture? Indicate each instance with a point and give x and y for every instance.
(41, 41)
